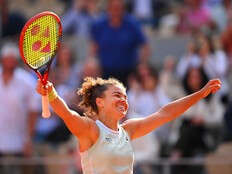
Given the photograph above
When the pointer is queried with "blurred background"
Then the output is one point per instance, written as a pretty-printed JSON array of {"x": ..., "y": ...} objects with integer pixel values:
[{"x": 160, "y": 49}]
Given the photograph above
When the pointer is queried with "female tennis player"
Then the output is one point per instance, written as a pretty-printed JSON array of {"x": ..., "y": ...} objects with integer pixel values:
[{"x": 104, "y": 144}]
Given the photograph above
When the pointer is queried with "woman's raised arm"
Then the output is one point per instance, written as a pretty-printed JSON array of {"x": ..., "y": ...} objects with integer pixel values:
[{"x": 141, "y": 126}]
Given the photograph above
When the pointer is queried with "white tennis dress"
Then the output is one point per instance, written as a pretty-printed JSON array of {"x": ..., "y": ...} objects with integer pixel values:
[{"x": 111, "y": 154}]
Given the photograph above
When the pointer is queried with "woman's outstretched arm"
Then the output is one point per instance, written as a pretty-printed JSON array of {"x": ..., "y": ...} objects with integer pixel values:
[
  {"x": 141, "y": 126},
  {"x": 77, "y": 124}
]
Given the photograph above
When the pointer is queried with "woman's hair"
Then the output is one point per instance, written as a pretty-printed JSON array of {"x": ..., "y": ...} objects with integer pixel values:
[
  {"x": 203, "y": 82},
  {"x": 93, "y": 88}
]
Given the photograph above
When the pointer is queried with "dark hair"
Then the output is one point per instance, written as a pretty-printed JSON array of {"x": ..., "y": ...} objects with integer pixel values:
[
  {"x": 93, "y": 88},
  {"x": 151, "y": 70},
  {"x": 204, "y": 80}
]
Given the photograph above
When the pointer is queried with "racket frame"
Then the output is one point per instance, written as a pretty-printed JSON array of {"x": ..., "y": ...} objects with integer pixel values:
[{"x": 42, "y": 75}]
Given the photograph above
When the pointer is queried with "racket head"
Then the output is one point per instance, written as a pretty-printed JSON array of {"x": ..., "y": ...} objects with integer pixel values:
[{"x": 39, "y": 42}]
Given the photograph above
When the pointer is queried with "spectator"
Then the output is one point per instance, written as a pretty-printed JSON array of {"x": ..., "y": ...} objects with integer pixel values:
[
  {"x": 168, "y": 80},
  {"x": 214, "y": 61},
  {"x": 12, "y": 22},
  {"x": 190, "y": 58},
  {"x": 228, "y": 8},
  {"x": 194, "y": 16},
  {"x": 116, "y": 42},
  {"x": 144, "y": 98},
  {"x": 19, "y": 108},
  {"x": 217, "y": 12},
  {"x": 143, "y": 10},
  {"x": 201, "y": 121},
  {"x": 207, "y": 59},
  {"x": 79, "y": 17},
  {"x": 226, "y": 41},
  {"x": 76, "y": 21},
  {"x": 222, "y": 64},
  {"x": 209, "y": 56},
  {"x": 90, "y": 69},
  {"x": 66, "y": 72},
  {"x": 228, "y": 123},
  {"x": 224, "y": 149}
]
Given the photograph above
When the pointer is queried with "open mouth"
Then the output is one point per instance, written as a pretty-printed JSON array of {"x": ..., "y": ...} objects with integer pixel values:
[{"x": 121, "y": 107}]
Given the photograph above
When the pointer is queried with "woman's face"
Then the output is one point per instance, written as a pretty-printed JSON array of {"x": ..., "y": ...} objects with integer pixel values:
[
  {"x": 191, "y": 47},
  {"x": 143, "y": 70},
  {"x": 204, "y": 50},
  {"x": 149, "y": 83},
  {"x": 194, "y": 79},
  {"x": 114, "y": 102},
  {"x": 64, "y": 55}
]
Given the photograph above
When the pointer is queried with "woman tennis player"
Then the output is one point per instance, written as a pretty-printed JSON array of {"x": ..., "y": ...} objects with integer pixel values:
[{"x": 105, "y": 145}]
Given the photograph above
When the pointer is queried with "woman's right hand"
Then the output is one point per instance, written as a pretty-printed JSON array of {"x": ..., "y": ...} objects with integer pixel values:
[{"x": 43, "y": 89}]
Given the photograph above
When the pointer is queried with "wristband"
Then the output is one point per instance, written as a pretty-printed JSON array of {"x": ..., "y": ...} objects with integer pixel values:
[{"x": 52, "y": 95}]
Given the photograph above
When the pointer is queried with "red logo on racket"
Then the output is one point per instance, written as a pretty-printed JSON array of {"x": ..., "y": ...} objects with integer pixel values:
[{"x": 37, "y": 45}]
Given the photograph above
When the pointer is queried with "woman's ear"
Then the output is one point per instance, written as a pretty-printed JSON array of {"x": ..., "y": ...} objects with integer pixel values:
[{"x": 99, "y": 102}]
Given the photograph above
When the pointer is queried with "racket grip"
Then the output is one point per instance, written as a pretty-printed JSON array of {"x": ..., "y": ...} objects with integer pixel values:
[{"x": 45, "y": 107}]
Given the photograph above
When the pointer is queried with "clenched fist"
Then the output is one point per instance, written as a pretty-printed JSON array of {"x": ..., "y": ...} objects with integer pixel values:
[
  {"x": 211, "y": 87},
  {"x": 43, "y": 89}
]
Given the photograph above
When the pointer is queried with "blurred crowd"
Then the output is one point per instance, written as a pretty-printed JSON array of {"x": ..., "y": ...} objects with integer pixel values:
[{"x": 113, "y": 38}]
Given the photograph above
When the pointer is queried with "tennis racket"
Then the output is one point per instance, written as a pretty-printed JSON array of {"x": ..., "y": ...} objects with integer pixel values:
[{"x": 38, "y": 44}]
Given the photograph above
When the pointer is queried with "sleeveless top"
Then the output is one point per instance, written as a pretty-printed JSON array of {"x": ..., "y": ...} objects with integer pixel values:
[{"x": 111, "y": 154}]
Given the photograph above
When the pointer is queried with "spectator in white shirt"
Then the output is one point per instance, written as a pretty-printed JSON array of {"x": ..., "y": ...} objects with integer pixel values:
[
  {"x": 18, "y": 109},
  {"x": 190, "y": 58},
  {"x": 144, "y": 98}
]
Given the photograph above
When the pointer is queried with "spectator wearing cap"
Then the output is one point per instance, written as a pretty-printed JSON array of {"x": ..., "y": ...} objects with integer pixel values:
[{"x": 18, "y": 109}]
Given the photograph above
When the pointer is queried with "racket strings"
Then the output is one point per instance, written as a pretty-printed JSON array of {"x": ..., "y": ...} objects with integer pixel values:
[{"x": 41, "y": 41}]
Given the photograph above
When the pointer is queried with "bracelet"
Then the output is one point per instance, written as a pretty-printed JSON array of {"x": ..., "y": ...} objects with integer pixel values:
[{"x": 52, "y": 95}]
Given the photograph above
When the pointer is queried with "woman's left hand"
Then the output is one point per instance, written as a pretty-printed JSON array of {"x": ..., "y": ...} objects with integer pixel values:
[{"x": 211, "y": 87}]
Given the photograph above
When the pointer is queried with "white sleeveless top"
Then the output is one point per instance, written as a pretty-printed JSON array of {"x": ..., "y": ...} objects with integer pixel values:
[{"x": 111, "y": 154}]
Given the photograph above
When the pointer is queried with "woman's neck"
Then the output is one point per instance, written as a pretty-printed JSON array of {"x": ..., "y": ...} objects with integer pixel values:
[{"x": 109, "y": 122}]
